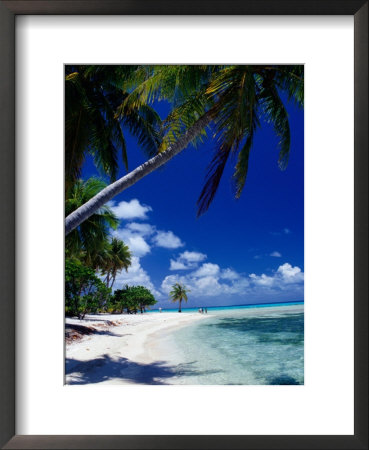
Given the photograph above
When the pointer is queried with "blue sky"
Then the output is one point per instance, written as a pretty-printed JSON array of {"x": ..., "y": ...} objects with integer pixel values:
[{"x": 244, "y": 251}]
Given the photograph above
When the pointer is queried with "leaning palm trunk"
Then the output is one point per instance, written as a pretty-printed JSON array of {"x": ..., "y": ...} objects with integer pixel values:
[
  {"x": 85, "y": 211},
  {"x": 112, "y": 282}
]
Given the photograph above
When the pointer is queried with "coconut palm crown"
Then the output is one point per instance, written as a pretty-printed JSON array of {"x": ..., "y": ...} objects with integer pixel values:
[
  {"x": 230, "y": 102},
  {"x": 92, "y": 127},
  {"x": 179, "y": 293},
  {"x": 90, "y": 238},
  {"x": 118, "y": 258}
]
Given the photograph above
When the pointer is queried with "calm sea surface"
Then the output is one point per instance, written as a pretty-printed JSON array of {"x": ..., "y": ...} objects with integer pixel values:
[{"x": 254, "y": 345}]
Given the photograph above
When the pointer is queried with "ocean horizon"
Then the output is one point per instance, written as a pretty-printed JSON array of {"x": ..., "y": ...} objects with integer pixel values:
[{"x": 227, "y": 307}]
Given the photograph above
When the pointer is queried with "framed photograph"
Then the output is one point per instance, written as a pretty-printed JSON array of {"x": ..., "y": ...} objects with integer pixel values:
[{"x": 185, "y": 228}]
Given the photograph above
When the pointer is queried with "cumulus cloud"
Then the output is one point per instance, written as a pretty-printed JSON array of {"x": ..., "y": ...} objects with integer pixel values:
[
  {"x": 207, "y": 280},
  {"x": 207, "y": 269},
  {"x": 290, "y": 274},
  {"x": 229, "y": 274},
  {"x": 285, "y": 275},
  {"x": 193, "y": 256},
  {"x": 262, "y": 280},
  {"x": 136, "y": 243},
  {"x": 136, "y": 276},
  {"x": 159, "y": 238},
  {"x": 145, "y": 229},
  {"x": 130, "y": 210},
  {"x": 276, "y": 254},
  {"x": 167, "y": 239},
  {"x": 211, "y": 280},
  {"x": 187, "y": 260},
  {"x": 177, "y": 265},
  {"x": 199, "y": 287}
]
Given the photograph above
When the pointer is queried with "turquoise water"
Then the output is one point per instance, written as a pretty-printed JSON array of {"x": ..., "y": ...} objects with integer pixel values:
[
  {"x": 227, "y": 308},
  {"x": 260, "y": 345}
]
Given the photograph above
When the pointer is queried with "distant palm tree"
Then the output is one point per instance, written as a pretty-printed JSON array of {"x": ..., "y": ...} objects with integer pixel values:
[
  {"x": 179, "y": 293},
  {"x": 118, "y": 257},
  {"x": 232, "y": 100},
  {"x": 88, "y": 241}
]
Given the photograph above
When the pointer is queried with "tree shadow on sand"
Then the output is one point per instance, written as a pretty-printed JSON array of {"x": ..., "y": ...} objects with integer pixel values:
[
  {"x": 86, "y": 330},
  {"x": 106, "y": 368}
]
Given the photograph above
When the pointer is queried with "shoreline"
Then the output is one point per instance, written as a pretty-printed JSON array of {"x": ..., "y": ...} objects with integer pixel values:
[
  {"x": 142, "y": 349},
  {"x": 122, "y": 349}
]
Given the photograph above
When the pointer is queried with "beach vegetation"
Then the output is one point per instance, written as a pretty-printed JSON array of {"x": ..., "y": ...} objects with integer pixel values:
[
  {"x": 178, "y": 293},
  {"x": 131, "y": 299},
  {"x": 84, "y": 291},
  {"x": 91, "y": 243},
  {"x": 88, "y": 241},
  {"x": 115, "y": 258}
]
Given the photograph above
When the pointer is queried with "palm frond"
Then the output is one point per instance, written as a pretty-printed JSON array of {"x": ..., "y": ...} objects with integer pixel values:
[
  {"x": 276, "y": 113},
  {"x": 234, "y": 91}
]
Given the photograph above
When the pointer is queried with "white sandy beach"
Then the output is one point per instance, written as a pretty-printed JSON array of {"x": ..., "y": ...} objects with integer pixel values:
[{"x": 123, "y": 349}]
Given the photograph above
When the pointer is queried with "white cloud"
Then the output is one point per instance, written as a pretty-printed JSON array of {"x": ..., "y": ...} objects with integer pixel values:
[
  {"x": 285, "y": 275},
  {"x": 136, "y": 276},
  {"x": 262, "y": 280},
  {"x": 145, "y": 229},
  {"x": 177, "y": 265},
  {"x": 286, "y": 231},
  {"x": 192, "y": 256},
  {"x": 138, "y": 245},
  {"x": 130, "y": 210},
  {"x": 276, "y": 254},
  {"x": 187, "y": 260},
  {"x": 229, "y": 274},
  {"x": 207, "y": 269},
  {"x": 290, "y": 274},
  {"x": 210, "y": 280},
  {"x": 167, "y": 239},
  {"x": 135, "y": 242}
]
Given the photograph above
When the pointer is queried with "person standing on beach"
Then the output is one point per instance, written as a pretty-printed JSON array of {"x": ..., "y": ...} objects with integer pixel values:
[{"x": 159, "y": 309}]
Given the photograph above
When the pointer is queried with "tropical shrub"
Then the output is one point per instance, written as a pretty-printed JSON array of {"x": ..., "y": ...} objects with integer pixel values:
[
  {"x": 132, "y": 299},
  {"x": 84, "y": 291}
]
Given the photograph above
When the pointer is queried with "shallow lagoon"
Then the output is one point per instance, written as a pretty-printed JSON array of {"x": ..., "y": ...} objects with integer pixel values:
[{"x": 253, "y": 346}]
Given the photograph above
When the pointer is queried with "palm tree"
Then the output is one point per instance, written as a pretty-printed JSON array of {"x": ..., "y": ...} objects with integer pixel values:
[
  {"x": 232, "y": 99},
  {"x": 88, "y": 241},
  {"x": 118, "y": 257},
  {"x": 179, "y": 293},
  {"x": 92, "y": 95}
]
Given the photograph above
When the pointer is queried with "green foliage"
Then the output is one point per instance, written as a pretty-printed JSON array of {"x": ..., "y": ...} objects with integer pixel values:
[
  {"x": 91, "y": 237},
  {"x": 242, "y": 96},
  {"x": 131, "y": 299},
  {"x": 102, "y": 100},
  {"x": 237, "y": 97},
  {"x": 92, "y": 125},
  {"x": 117, "y": 258},
  {"x": 179, "y": 293},
  {"x": 84, "y": 291}
]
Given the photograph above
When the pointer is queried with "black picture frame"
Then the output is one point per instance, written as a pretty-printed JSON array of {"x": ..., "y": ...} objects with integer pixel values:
[{"x": 8, "y": 11}]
